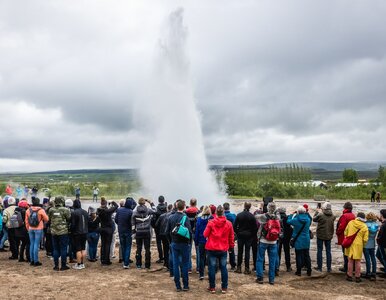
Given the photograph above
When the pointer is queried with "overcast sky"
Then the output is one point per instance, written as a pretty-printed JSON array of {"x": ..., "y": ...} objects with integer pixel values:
[{"x": 273, "y": 80}]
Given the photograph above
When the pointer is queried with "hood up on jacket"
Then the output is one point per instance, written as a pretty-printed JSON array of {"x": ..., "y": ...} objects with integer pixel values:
[
  {"x": 327, "y": 211},
  {"x": 130, "y": 203},
  {"x": 77, "y": 204},
  {"x": 59, "y": 201},
  {"x": 142, "y": 209}
]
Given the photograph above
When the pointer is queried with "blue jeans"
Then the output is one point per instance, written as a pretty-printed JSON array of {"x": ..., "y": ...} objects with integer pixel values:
[
  {"x": 213, "y": 258},
  {"x": 371, "y": 262},
  {"x": 190, "y": 257},
  {"x": 92, "y": 240},
  {"x": 60, "y": 244},
  {"x": 180, "y": 260},
  {"x": 319, "y": 254},
  {"x": 202, "y": 260},
  {"x": 34, "y": 236},
  {"x": 5, "y": 237},
  {"x": 272, "y": 256},
  {"x": 125, "y": 241}
]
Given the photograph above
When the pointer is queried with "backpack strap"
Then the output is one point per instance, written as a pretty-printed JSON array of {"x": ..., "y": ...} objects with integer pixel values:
[{"x": 182, "y": 222}]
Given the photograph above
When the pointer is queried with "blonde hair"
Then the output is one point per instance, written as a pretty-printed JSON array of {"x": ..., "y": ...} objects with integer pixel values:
[
  {"x": 371, "y": 217},
  {"x": 206, "y": 211}
]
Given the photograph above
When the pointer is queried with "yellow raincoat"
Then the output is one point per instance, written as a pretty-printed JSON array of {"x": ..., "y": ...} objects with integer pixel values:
[{"x": 355, "y": 251}]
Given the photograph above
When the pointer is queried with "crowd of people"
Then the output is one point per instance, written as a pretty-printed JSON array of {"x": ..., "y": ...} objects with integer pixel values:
[{"x": 70, "y": 234}]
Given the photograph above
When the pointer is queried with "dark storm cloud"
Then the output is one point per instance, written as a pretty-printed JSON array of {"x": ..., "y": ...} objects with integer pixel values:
[{"x": 273, "y": 81}]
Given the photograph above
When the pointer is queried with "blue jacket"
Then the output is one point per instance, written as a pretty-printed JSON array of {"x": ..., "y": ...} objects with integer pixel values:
[
  {"x": 200, "y": 227},
  {"x": 297, "y": 221},
  {"x": 373, "y": 229},
  {"x": 230, "y": 216},
  {"x": 123, "y": 217}
]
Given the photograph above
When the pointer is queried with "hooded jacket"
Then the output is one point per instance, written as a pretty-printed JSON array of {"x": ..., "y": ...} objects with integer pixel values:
[
  {"x": 297, "y": 221},
  {"x": 372, "y": 226},
  {"x": 21, "y": 232},
  {"x": 123, "y": 216},
  {"x": 325, "y": 227},
  {"x": 344, "y": 219},
  {"x": 141, "y": 219},
  {"x": 79, "y": 219},
  {"x": 355, "y": 251},
  {"x": 201, "y": 224},
  {"x": 59, "y": 217},
  {"x": 160, "y": 210},
  {"x": 219, "y": 234}
]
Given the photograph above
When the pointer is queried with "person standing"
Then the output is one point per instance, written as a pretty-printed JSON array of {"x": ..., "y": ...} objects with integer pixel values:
[
  {"x": 369, "y": 248},
  {"x": 220, "y": 238},
  {"x": 59, "y": 218},
  {"x": 21, "y": 233},
  {"x": 93, "y": 234},
  {"x": 381, "y": 239},
  {"x": 192, "y": 212},
  {"x": 160, "y": 209},
  {"x": 284, "y": 239},
  {"x": 11, "y": 226},
  {"x": 245, "y": 228},
  {"x": 106, "y": 229},
  {"x": 77, "y": 193},
  {"x": 373, "y": 196},
  {"x": 35, "y": 218},
  {"x": 200, "y": 239},
  {"x": 180, "y": 246},
  {"x": 161, "y": 224},
  {"x": 79, "y": 230},
  {"x": 268, "y": 234},
  {"x": 123, "y": 220},
  {"x": 344, "y": 219},
  {"x": 231, "y": 217},
  {"x": 355, "y": 251},
  {"x": 141, "y": 220},
  {"x": 95, "y": 193},
  {"x": 324, "y": 234},
  {"x": 301, "y": 225}
]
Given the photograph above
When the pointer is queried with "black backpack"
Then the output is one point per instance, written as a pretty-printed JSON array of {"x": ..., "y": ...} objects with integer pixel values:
[{"x": 33, "y": 218}]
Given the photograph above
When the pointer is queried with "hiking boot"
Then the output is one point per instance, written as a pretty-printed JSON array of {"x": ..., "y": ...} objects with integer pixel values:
[
  {"x": 348, "y": 278},
  {"x": 37, "y": 264},
  {"x": 358, "y": 279},
  {"x": 160, "y": 261},
  {"x": 211, "y": 290},
  {"x": 238, "y": 270},
  {"x": 247, "y": 271},
  {"x": 64, "y": 268},
  {"x": 318, "y": 269},
  {"x": 259, "y": 280},
  {"x": 56, "y": 268}
]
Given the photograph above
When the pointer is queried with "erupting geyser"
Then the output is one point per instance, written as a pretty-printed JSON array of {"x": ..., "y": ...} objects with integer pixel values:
[{"x": 174, "y": 163}]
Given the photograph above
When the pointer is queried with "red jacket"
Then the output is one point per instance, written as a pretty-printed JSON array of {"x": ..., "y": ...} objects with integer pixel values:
[
  {"x": 219, "y": 234},
  {"x": 342, "y": 223}
]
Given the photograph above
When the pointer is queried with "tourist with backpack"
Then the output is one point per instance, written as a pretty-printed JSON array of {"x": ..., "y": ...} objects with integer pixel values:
[
  {"x": 12, "y": 221},
  {"x": 141, "y": 220},
  {"x": 301, "y": 223},
  {"x": 357, "y": 234},
  {"x": 220, "y": 238},
  {"x": 34, "y": 219},
  {"x": 268, "y": 234},
  {"x": 180, "y": 235},
  {"x": 245, "y": 228},
  {"x": 59, "y": 218},
  {"x": 21, "y": 233}
]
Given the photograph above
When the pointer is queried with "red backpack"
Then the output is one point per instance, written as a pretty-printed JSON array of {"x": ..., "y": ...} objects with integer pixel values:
[{"x": 272, "y": 229}]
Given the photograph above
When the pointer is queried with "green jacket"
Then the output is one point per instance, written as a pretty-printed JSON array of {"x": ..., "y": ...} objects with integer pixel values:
[
  {"x": 325, "y": 227},
  {"x": 59, "y": 217}
]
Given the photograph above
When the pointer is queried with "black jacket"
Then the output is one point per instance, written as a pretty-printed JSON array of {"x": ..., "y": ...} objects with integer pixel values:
[
  {"x": 79, "y": 221},
  {"x": 175, "y": 219},
  {"x": 105, "y": 214},
  {"x": 93, "y": 225},
  {"x": 21, "y": 232},
  {"x": 286, "y": 228},
  {"x": 381, "y": 239},
  {"x": 160, "y": 210},
  {"x": 245, "y": 225}
]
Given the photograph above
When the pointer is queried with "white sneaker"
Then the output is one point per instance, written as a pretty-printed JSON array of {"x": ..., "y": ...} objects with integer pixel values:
[
  {"x": 126, "y": 267},
  {"x": 82, "y": 266},
  {"x": 77, "y": 267}
]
